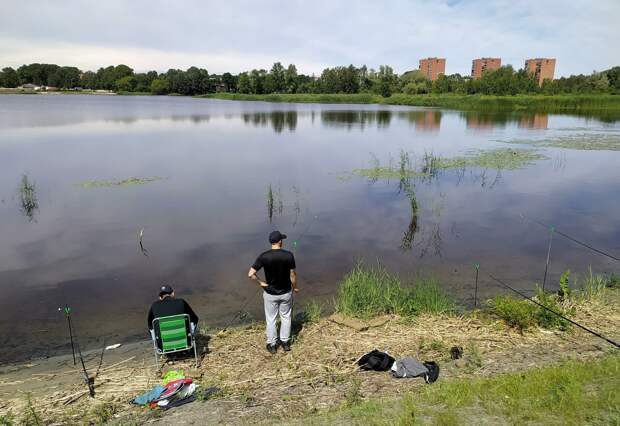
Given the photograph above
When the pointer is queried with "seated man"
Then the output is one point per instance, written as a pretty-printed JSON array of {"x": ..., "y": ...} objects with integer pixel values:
[{"x": 168, "y": 305}]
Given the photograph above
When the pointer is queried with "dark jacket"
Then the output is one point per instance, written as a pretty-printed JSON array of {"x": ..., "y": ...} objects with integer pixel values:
[{"x": 170, "y": 306}]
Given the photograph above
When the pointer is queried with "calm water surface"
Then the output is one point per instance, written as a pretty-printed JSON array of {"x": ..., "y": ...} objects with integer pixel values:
[{"x": 209, "y": 216}]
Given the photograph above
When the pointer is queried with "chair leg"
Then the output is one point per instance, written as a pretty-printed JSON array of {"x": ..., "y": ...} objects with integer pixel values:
[{"x": 156, "y": 357}]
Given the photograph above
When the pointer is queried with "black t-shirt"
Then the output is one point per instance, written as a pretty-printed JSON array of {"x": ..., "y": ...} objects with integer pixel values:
[
  {"x": 168, "y": 307},
  {"x": 278, "y": 264}
]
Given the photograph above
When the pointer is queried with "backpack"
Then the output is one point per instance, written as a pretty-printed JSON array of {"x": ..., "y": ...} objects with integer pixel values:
[{"x": 376, "y": 361}]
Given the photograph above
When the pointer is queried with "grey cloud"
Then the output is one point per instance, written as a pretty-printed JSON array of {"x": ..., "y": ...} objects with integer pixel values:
[{"x": 316, "y": 34}]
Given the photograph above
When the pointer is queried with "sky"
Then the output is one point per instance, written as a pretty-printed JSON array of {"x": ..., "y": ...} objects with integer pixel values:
[{"x": 234, "y": 36}]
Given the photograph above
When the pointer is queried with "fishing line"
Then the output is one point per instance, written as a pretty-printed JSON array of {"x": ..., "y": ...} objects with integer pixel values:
[
  {"x": 556, "y": 313},
  {"x": 303, "y": 234},
  {"x": 571, "y": 238}
]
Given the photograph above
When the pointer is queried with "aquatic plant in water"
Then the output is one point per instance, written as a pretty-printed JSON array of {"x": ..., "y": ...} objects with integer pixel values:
[
  {"x": 28, "y": 197},
  {"x": 498, "y": 159},
  {"x": 582, "y": 142},
  {"x": 118, "y": 182}
]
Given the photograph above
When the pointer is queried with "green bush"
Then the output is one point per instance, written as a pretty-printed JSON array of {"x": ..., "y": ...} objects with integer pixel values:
[
  {"x": 523, "y": 314},
  {"x": 369, "y": 291},
  {"x": 519, "y": 314}
]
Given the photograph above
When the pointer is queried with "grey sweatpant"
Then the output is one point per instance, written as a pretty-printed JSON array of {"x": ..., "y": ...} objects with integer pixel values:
[{"x": 278, "y": 304}]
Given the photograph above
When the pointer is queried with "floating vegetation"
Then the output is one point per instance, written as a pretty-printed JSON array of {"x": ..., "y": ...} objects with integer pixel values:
[
  {"x": 582, "y": 141},
  {"x": 499, "y": 159},
  {"x": 28, "y": 197},
  {"x": 118, "y": 183},
  {"x": 270, "y": 203}
]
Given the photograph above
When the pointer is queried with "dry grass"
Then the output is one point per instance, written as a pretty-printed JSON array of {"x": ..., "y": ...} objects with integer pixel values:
[{"x": 320, "y": 371}]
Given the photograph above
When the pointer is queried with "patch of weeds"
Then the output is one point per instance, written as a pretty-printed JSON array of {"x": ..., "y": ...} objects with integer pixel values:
[
  {"x": 497, "y": 159},
  {"x": 613, "y": 281},
  {"x": 582, "y": 142},
  {"x": 30, "y": 416},
  {"x": 103, "y": 412},
  {"x": 7, "y": 419},
  {"x": 564, "y": 284},
  {"x": 368, "y": 291},
  {"x": 312, "y": 312},
  {"x": 353, "y": 396},
  {"x": 547, "y": 319},
  {"x": 246, "y": 398},
  {"x": 594, "y": 285},
  {"x": 118, "y": 182},
  {"x": 515, "y": 313},
  {"x": 473, "y": 358}
]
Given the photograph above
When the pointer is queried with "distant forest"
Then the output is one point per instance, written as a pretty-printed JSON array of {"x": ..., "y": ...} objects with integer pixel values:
[{"x": 279, "y": 79}]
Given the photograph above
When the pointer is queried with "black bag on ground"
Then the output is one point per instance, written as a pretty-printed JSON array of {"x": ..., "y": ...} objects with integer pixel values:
[
  {"x": 375, "y": 360},
  {"x": 433, "y": 371}
]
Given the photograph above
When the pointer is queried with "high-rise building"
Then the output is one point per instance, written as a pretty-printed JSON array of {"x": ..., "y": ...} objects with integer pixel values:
[
  {"x": 541, "y": 68},
  {"x": 432, "y": 67},
  {"x": 480, "y": 65}
]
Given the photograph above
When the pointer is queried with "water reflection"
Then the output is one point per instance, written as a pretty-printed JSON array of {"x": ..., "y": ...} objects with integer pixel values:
[
  {"x": 279, "y": 120},
  {"x": 487, "y": 121},
  {"x": 361, "y": 119},
  {"x": 423, "y": 120},
  {"x": 534, "y": 121}
]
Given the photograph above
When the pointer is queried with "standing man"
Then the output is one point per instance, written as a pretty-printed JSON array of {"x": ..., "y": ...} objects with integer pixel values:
[{"x": 281, "y": 280}]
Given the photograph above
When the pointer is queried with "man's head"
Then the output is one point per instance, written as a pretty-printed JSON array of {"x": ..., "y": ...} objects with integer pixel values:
[
  {"x": 165, "y": 291},
  {"x": 275, "y": 238}
]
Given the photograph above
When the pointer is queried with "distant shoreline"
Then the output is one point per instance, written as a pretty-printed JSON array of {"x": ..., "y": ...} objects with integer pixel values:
[
  {"x": 603, "y": 103},
  {"x": 540, "y": 103}
]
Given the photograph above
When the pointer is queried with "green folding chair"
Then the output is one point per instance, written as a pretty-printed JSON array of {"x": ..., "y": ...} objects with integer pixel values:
[{"x": 175, "y": 335}]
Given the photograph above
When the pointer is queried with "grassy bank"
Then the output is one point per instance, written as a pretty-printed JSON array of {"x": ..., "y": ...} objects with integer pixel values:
[
  {"x": 317, "y": 382},
  {"x": 571, "y": 392},
  {"x": 558, "y": 103}
]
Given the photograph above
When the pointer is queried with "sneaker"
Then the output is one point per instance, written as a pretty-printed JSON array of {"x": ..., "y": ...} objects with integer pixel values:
[
  {"x": 272, "y": 348},
  {"x": 286, "y": 346}
]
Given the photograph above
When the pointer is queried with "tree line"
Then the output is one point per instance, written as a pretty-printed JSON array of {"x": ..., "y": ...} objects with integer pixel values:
[{"x": 280, "y": 79}]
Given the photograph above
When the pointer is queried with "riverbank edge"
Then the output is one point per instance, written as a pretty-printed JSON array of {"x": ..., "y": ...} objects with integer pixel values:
[
  {"x": 353, "y": 390},
  {"x": 538, "y": 103}
]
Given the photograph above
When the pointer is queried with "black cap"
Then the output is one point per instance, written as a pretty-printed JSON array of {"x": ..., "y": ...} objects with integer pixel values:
[
  {"x": 276, "y": 237},
  {"x": 165, "y": 289}
]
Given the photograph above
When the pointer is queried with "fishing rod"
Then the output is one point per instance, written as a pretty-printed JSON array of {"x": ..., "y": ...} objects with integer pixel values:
[
  {"x": 617, "y": 345},
  {"x": 588, "y": 246},
  {"x": 67, "y": 312}
]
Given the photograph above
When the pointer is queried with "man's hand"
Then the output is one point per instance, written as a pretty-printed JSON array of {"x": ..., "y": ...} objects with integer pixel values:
[
  {"x": 296, "y": 289},
  {"x": 263, "y": 284}
]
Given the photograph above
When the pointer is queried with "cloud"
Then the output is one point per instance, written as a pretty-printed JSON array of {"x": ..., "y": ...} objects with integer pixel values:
[{"x": 237, "y": 35}]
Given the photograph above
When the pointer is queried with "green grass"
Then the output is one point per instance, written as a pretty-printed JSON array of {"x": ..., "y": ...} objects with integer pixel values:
[
  {"x": 368, "y": 291},
  {"x": 498, "y": 159},
  {"x": 556, "y": 103},
  {"x": 582, "y": 142},
  {"x": 569, "y": 393},
  {"x": 118, "y": 182}
]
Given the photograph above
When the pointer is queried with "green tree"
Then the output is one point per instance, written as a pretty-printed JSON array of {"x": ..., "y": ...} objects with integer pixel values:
[
  {"x": 9, "y": 77},
  {"x": 243, "y": 83},
  {"x": 126, "y": 84},
  {"x": 290, "y": 79},
  {"x": 160, "y": 86},
  {"x": 230, "y": 82},
  {"x": 278, "y": 78}
]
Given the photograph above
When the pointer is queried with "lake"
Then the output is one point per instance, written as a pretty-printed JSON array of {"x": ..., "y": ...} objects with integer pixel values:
[{"x": 220, "y": 175}]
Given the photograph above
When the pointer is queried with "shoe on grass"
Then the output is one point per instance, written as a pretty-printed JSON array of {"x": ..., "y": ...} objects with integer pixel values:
[
  {"x": 286, "y": 346},
  {"x": 272, "y": 348}
]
